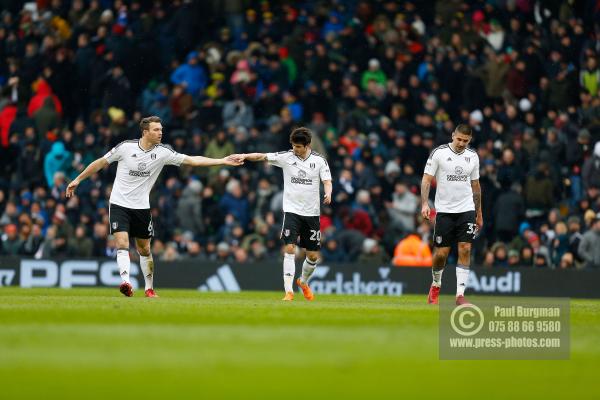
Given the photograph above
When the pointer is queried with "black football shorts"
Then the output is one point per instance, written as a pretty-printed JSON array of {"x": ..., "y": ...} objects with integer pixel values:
[
  {"x": 453, "y": 228},
  {"x": 307, "y": 228},
  {"x": 138, "y": 223}
]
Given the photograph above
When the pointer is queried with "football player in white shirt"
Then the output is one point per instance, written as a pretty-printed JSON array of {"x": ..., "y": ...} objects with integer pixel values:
[
  {"x": 458, "y": 207},
  {"x": 139, "y": 164},
  {"x": 303, "y": 171}
]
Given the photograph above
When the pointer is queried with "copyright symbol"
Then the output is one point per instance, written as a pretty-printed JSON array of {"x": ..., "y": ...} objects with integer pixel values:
[{"x": 467, "y": 319}]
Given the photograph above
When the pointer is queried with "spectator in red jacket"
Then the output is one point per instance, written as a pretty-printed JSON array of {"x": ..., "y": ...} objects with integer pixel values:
[
  {"x": 7, "y": 116},
  {"x": 42, "y": 91}
]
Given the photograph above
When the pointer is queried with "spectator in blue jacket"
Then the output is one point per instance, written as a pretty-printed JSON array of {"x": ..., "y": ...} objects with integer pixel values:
[
  {"x": 57, "y": 159},
  {"x": 191, "y": 75},
  {"x": 233, "y": 202}
]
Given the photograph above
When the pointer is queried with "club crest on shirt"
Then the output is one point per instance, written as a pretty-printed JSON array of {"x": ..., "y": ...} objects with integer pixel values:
[
  {"x": 313, "y": 165},
  {"x": 468, "y": 159},
  {"x": 141, "y": 166},
  {"x": 438, "y": 239},
  {"x": 153, "y": 156},
  {"x": 286, "y": 232},
  {"x": 115, "y": 225}
]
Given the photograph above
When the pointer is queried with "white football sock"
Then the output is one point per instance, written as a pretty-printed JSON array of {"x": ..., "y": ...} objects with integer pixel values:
[
  {"x": 147, "y": 266},
  {"x": 308, "y": 267},
  {"x": 462, "y": 276},
  {"x": 289, "y": 270},
  {"x": 124, "y": 264},
  {"x": 437, "y": 276}
]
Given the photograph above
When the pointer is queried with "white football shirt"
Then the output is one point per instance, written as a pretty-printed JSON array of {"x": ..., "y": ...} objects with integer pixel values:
[
  {"x": 453, "y": 172},
  {"x": 301, "y": 181},
  {"x": 137, "y": 170}
]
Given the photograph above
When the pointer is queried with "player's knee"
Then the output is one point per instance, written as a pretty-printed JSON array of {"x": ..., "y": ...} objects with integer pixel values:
[
  {"x": 464, "y": 248},
  {"x": 312, "y": 257},
  {"x": 143, "y": 250},
  {"x": 441, "y": 253},
  {"x": 290, "y": 248}
]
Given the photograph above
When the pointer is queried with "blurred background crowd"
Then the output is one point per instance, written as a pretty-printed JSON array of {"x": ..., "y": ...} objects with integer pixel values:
[{"x": 379, "y": 82}]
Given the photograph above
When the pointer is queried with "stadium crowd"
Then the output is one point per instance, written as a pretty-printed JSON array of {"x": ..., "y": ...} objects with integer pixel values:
[{"x": 380, "y": 83}]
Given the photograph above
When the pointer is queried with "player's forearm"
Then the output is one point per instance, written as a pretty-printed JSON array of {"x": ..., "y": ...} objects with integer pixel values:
[
  {"x": 477, "y": 199},
  {"x": 425, "y": 186},
  {"x": 255, "y": 156},
  {"x": 200, "y": 161},
  {"x": 91, "y": 169},
  {"x": 328, "y": 188}
]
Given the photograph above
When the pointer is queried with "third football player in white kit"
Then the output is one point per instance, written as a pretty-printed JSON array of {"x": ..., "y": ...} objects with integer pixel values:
[
  {"x": 303, "y": 171},
  {"x": 458, "y": 207}
]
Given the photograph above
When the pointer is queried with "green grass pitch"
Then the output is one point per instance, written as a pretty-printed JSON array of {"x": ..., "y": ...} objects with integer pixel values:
[{"x": 97, "y": 344}]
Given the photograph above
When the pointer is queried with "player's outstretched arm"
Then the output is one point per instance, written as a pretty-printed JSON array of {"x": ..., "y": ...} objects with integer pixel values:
[
  {"x": 198, "y": 161},
  {"x": 328, "y": 188},
  {"x": 425, "y": 186},
  {"x": 253, "y": 156},
  {"x": 90, "y": 170}
]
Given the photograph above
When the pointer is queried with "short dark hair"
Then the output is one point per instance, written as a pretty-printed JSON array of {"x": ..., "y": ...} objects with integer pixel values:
[
  {"x": 464, "y": 129},
  {"x": 301, "y": 136},
  {"x": 145, "y": 123}
]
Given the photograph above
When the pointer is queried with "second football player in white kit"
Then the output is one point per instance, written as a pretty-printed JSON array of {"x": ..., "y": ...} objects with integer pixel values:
[{"x": 303, "y": 172}]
